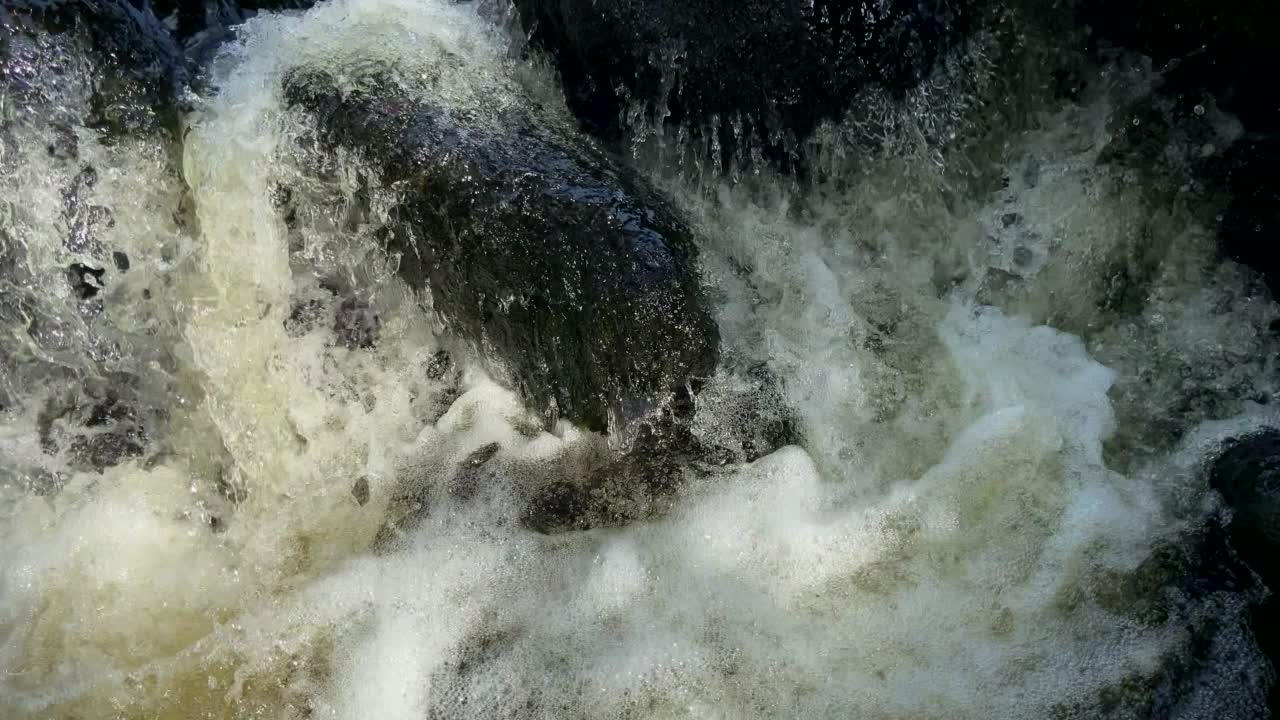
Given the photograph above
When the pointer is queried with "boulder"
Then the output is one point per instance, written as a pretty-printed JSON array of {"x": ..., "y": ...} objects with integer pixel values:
[
  {"x": 565, "y": 270},
  {"x": 775, "y": 68},
  {"x": 1194, "y": 581},
  {"x": 1250, "y": 223},
  {"x": 190, "y": 18},
  {"x": 1201, "y": 47},
  {"x": 1247, "y": 473},
  {"x": 1209, "y": 56}
]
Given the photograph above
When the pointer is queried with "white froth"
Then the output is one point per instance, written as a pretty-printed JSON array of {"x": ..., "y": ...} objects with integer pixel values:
[{"x": 942, "y": 546}]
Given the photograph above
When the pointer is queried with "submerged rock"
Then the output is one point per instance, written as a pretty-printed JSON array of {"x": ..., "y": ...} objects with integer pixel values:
[
  {"x": 85, "y": 281},
  {"x": 1248, "y": 476},
  {"x": 137, "y": 66},
  {"x": 360, "y": 491},
  {"x": 356, "y": 324},
  {"x": 417, "y": 496},
  {"x": 1247, "y": 473},
  {"x": 1218, "y": 669},
  {"x": 97, "y": 427},
  {"x": 1203, "y": 48},
  {"x": 745, "y": 419},
  {"x": 564, "y": 269},
  {"x": 1250, "y": 223},
  {"x": 1208, "y": 57}
]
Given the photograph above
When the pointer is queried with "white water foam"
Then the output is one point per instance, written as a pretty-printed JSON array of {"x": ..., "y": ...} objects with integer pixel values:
[{"x": 950, "y": 542}]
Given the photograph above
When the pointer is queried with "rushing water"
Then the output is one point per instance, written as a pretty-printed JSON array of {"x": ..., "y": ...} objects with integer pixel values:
[{"x": 1006, "y": 392}]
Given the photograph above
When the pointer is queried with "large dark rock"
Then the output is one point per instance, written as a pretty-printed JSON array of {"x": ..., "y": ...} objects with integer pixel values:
[
  {"x": 1248, "y": 476},
  {"x": 552, "y": 260},
  {"x": 1203, "y": 47},
  {"x": 1197, "y": 583},
  {"x": 1211, "y": 55},
  {"x": 776, "y": 67},
  {"x": 192, "y": 17},
  {"x": 1250, "y": 223},
  {"x": 1247, "y": 473},
  {"x": 136, "y": 67}
]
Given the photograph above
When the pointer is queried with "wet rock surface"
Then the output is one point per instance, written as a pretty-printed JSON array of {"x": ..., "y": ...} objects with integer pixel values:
[
  {"x": 1208, "y": 57},
  {"x": 1251, "y": 220},
  {"x": 83, "y": 79},
  {"x": 564, "y": 267},
  {"x": 1204, "y": 48},
  {"x": 97, "y": 426},
  {"x": 1247, "y": 473},
  {"x": 356, "y": 324},
  {"x": 138, "y": 66},
  {"x": 1248, "y": 476},
  {"x": 769, "y": 69}
]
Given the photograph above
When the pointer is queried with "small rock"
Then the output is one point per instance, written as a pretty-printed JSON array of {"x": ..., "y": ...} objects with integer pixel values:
[
  {"x": 65, "y": 145},
  {"x": 121, "y": 261},
  {"x": 102, "y": 450},
  {"x": 360, "y": 491},
  {"x": 304, "y": 317},
  {"x": 1022, "y": 256},
  {"x": 85, "y": 281},
  {"x": 439, "y": 365},
  {"x": 1248, "y": 476},
  {"x": 997, "y": 284},
  {"x": 466, "y": 481},
  {"x": 356, "y": 324}
]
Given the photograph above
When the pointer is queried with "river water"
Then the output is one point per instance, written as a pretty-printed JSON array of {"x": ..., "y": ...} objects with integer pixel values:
[{"x": 1006, "y": 391}]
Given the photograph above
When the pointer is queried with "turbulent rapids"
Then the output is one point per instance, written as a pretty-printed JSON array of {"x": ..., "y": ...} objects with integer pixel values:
[{"x": 419, "y": 359}]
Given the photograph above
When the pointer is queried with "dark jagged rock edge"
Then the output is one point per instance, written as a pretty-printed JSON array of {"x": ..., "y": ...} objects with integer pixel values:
[
  {"x": 1247, "y": 473},
  {"x": 544, "y": 254},
  {"x": 762, "y": 74},
  {"x": 1206, "y": 53},
  {"x": 139, "y": 67},
  {"x": 776, "y": 68},
  {"x": 561, "y": 268},
  {"x": 96, "y": 417}
]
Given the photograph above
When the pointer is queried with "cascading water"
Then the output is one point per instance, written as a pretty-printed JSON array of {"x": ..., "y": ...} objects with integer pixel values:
[{"x": 1000, "y": 464}]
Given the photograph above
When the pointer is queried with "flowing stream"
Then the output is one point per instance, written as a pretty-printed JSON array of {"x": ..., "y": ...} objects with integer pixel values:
[{"x": 1005, "y": 392}]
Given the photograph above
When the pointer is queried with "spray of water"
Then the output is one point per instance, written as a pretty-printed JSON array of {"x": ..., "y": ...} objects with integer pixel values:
[{"x": 1005, "y": 397}]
